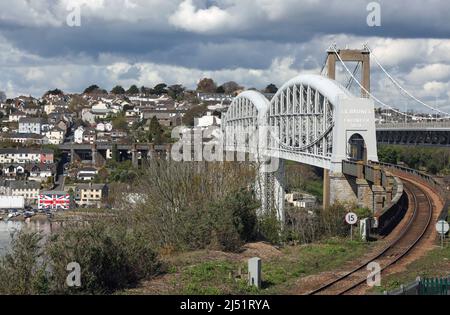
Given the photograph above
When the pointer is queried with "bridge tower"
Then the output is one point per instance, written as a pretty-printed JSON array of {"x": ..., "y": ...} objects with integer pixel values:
[{"x": 352, "y": 55}]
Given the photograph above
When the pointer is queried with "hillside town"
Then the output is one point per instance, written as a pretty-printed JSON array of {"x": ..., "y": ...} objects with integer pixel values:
[{"x": 63, "y": 151}]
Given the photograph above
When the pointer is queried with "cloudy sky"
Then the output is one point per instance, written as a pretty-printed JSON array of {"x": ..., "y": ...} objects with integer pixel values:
[{"x": 253, "y": 42}]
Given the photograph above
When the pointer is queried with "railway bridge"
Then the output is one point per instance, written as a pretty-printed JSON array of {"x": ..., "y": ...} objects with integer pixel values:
[
  {"x": 99, "y": 152},
  {"x": 314, "y": 120},
  {"x": 425, "y": 133}
]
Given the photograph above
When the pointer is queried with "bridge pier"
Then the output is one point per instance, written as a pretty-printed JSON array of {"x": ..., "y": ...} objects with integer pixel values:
[
  {"x": 134, "y": 156},
  {"x": 74, "y": 156},
  {"x": 271, "y": 190},
  {"x": 342, "y": 189},
  {"x": 326, "y": 189},
  {"x": 379, "y": 197},
  {"x": 365, "y": 194},
  {"x": 279, "y": 191},
  {"x": 97, "y": 158}
]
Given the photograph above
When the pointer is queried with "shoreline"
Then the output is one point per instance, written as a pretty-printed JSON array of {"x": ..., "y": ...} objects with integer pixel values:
[{"x": 21, "y": 218}]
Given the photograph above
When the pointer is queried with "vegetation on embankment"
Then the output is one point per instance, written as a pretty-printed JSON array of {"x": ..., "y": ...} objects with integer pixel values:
[
  {"x": 302, "y": 177},
  {"x": 435, "y": 263},
  {"x": 431, "y": 159},
  {"x": 211, "y": 272},
  {"x": 176, "y": 208}
]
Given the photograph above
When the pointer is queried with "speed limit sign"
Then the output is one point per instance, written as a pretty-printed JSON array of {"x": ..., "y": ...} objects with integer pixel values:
[{"x": 351, "y": 218}]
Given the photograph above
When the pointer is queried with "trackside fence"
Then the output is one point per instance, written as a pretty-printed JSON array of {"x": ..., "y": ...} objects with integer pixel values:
[{"x": 424, "y": 286}]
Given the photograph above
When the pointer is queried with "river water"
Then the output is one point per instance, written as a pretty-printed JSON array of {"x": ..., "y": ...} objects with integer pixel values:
[{"x": 8, "y": 227}]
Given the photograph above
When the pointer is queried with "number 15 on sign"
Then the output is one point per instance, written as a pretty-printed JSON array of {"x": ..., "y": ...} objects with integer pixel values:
[{"x": 351, "y": 218}]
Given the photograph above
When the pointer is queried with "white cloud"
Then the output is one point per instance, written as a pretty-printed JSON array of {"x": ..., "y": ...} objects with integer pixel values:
[
  {"x": 435, "y": 88},
  {"x": 208, "y": 20},
  {"x": 429, "y": 72}
]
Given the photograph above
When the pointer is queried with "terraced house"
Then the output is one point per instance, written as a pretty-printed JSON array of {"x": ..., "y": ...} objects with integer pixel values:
[
  {"x": 30, "y": 125},
  {"x": 26, "y": 155}
]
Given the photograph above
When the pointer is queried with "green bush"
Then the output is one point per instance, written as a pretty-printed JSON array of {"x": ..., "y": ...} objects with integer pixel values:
[
  {"x": 269, "y": 228},
  {"x": 22, "y": 270},
  {"x": 190, "y": 206},
  {"x": 111, "y": 257}
]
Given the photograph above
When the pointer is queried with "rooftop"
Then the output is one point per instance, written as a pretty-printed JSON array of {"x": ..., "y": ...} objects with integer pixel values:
[
  {"x": 24, "y": 150},
  {"x": 29, "y": 120}
]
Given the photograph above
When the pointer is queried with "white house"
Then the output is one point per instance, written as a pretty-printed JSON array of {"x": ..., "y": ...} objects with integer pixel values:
[
  {"x": 55, "y": 135},
  {"x": 41, "y": 171},
  {"x": 87, "y": 116},
  {"x": 15, "y": 117},
  {"x": 30, "y": 125},
  {"x": 100, "y": 127},
  {"x": 87, "y": 173},
  {"x": 13, "y": 170},
  {"x": 207, "y": 121},
  {"x": 27, "y": 189},
  {"x": 78, "y": 135}
]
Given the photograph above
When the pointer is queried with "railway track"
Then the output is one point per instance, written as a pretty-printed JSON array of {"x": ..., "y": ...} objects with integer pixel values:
[{"x": 414, "y": 231}]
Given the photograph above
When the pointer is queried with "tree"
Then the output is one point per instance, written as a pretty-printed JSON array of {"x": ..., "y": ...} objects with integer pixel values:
[
  {"x": 230, "y": 87},
  {"x": 176, "y": 91},
  {"x": 220, "y": 90},
  {"x": 271, "y": 88},
  {"x": 54, "y": 92},
  {"x": 206, "y": 85},
  {"x": 120, "y": 122},
  {"x": 156, "y": 131},
  {"x": 133, "y": 90},
  {"x": 118, "y": 90},
  {"x": 115, "y": 153},
  {"x": 160, "y": 89},
  {"x": 91, "y": 89},
  {"x": 146, "y": 90},
  {"x": 2, "y": 96},
  {"x": 76, "y": 103},
  {"x": 194, "y": 112}
]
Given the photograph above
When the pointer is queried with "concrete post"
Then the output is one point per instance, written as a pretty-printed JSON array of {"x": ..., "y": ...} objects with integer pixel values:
[
  {"x": 364, "y": 228},
  {"x": 254, "y": 272}
]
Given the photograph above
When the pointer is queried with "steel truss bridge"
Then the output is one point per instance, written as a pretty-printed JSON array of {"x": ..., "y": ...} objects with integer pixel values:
[
  {"x": 415, "y": 133},
  {"x": 311, "y": 120}
]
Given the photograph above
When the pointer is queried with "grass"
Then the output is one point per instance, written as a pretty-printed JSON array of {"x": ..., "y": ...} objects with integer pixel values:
[
  {"x": 436, "y": 263},
  {"x": 280, "y": 274},
  {"x": 315, "y": 187},
  {"x": 199, "y": 273}
]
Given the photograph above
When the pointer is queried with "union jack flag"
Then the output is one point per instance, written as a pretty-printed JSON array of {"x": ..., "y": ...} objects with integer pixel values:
[{"x": 54, "y": 201}]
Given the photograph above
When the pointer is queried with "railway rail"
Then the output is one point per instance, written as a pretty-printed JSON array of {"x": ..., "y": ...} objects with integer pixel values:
[{"x": 418, "y": 223}]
